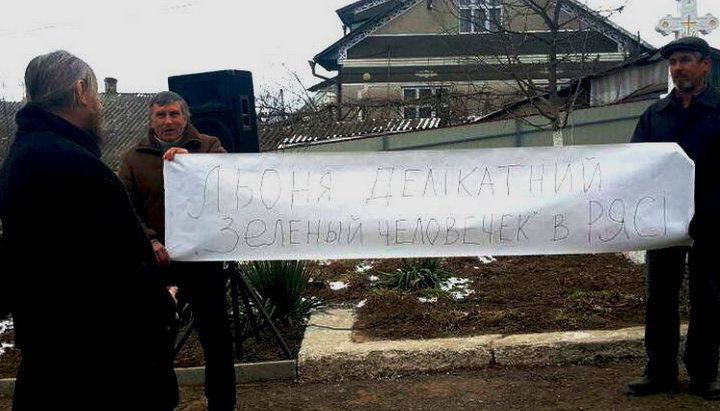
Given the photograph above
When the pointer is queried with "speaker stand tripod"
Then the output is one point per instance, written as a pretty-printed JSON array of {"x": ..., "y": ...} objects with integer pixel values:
[{"x": 240, "y": 288}]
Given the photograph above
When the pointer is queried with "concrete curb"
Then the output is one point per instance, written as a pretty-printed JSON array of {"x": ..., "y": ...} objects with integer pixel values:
[
  {"x": 329, "y": 353},
  {"x": 247, "y": 372},
  {"x": 7, "y": 386}
]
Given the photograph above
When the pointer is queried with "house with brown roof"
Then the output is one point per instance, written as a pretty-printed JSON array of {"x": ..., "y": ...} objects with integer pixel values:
[
  {"x": 125, "y": 120},
  {"x": 471, "y": 53}
]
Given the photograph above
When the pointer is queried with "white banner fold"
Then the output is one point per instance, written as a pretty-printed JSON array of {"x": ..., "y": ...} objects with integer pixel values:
[{"x": 504, "y": 201}]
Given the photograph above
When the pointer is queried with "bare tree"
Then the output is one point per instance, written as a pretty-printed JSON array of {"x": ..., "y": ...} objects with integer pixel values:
[{"x": 558, "y": 30}]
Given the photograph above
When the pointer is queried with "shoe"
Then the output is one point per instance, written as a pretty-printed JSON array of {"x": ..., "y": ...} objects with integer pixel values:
[
  {"x": 645, "y": 386},
  {"x": 710, "y": 390}
]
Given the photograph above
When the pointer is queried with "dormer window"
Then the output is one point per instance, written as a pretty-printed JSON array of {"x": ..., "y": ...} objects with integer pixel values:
[{"x": 480, "y": 16}]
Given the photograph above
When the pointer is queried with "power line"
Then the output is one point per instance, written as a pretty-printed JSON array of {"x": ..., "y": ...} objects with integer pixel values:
[{"x": 127, "y": 16}]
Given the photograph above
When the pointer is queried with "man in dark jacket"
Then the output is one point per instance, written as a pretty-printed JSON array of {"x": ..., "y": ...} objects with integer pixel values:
[
  {"x": 201, "y": 284},
  {"x": 689, "y": 116},
  {"x": 91, "y": 317}
]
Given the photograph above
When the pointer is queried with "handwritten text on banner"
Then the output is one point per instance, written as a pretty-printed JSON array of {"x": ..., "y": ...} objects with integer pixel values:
[{"x": 546, "y": 200}]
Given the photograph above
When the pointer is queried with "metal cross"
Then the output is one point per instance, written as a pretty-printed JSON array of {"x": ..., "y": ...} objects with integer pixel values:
[{"x": 689, "y": 23}]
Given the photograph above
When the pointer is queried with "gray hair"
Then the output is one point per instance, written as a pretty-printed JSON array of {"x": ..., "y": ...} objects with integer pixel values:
[
  {"x": 50, "y": 80},
  {"x": 165, "y": 98}
]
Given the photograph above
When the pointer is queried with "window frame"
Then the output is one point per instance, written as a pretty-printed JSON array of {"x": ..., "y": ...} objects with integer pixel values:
[
  {"x": 418, "y": 108},
  {"x": 479, "y": 8}
]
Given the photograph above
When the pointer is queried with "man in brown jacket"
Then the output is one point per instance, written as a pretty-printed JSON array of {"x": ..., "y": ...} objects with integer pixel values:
[{"x": 201, "y": 284}]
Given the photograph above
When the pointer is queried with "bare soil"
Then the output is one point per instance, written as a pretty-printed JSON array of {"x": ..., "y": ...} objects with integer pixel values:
[
  {"x": 599, "y": 386},
  {"x": 514, "y": 294},
  {"x": 511, "y": 295}
]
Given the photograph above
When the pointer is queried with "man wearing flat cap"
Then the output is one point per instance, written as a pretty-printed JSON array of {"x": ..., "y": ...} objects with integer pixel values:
[{"x": 689, "y": 116}]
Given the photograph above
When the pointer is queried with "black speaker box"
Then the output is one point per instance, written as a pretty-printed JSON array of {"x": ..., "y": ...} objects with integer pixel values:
[{"x": 222, "y": 104}]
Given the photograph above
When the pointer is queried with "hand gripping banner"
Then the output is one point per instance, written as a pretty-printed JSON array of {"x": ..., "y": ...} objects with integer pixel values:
[{"x": 522, "y": 201}]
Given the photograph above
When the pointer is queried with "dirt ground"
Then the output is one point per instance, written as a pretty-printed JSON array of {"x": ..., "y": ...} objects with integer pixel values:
[
  {"x": 599, "y": 386},
  {"x": 575, "y": 387},
  {"x": 512, "y": 294}
]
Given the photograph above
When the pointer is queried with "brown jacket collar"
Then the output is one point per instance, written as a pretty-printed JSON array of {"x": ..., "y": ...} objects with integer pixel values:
[{"x": 189, "y": 139}]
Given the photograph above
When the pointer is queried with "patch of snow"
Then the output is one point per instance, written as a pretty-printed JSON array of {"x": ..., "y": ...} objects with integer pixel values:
[
  {"x": 324, "y": 262},
  {"x": 362, "y": 303},
  {"x": 337, "y": 285},
  {"x": 4, "y": 346},
  {"x": 637, "y": 257},
  {"x": 364, "y": 266},
  {"x": 454, "y": 281},
  {"x": 374, "y": 278},
  {"x": 486, "y": 259},
  {"x": 461, "y": 295},
  {"x": 5, "y": 325},
  {"x": 427, "y": 300},
  {"x": 459, "y": 288}
]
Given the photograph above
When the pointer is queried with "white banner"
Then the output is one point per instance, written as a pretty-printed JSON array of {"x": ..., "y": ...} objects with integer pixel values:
[{"x": 544, "y": 200}]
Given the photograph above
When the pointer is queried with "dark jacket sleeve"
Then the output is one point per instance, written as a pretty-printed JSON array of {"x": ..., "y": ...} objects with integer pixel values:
[{"x": 127, "y": 177}]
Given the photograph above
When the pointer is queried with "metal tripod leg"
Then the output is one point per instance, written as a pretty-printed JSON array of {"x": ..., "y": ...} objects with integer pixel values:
[
  {"x": 247, "y": 289},
  {"x": 190, "y": 327},
  {"x": 186, "y": 335},
  {"x": 240, "y": 288},
  {"x": 237, "y": 292}
]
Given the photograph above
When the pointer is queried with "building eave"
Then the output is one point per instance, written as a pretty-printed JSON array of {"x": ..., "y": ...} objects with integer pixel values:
[
  {"x": 331, "y": 58},
  {"x": 616, "y": 32}
]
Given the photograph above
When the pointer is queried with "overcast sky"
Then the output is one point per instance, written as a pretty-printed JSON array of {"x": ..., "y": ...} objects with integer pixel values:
[{"x": 142, "y": 42}]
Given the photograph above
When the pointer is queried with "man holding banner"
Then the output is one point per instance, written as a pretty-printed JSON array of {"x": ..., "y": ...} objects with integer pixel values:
[
  {"x": 201, "y": 284},
  {"x": 689, "y": 116}
]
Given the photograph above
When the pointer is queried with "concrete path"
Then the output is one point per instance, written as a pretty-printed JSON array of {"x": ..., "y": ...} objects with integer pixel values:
[{"x": 329, "y": 353}]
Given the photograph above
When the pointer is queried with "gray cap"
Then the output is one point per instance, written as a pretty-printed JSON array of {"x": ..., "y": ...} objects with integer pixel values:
[{"x": 685, "y": 44}]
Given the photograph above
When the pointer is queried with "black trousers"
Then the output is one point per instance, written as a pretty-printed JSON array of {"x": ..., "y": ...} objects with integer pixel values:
[
  {"x": 203, "y": 285},
  {"x": 665, "y": 273}
]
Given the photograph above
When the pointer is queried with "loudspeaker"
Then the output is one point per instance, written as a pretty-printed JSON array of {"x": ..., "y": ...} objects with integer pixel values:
[{"x": 222, "y": 104}]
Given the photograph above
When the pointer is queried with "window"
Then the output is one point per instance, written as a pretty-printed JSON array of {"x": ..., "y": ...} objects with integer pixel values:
[
  {"x": 424, "y": 99},
  {"x": 478, "y": 16}
]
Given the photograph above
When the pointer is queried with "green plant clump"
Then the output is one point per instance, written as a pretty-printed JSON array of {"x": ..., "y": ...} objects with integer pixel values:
[
  {"x": 416, "y": 274},
  {"x": 281, "y": 284}
]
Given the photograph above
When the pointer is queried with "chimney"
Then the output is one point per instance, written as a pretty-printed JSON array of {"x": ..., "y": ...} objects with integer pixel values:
[{"x": 110, "y": 85}]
